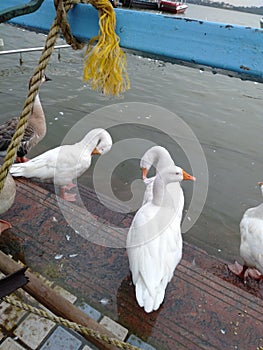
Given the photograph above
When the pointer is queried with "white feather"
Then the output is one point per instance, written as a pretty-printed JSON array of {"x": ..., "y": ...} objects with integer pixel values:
[
  {"x": 154, "y": 242},
  {"x": 251, "y": 230},
  {"x": 65, "y": 163}
]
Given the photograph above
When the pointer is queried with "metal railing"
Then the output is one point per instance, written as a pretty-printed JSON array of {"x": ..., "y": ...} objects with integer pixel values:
[{"x": 30, "y": 49}]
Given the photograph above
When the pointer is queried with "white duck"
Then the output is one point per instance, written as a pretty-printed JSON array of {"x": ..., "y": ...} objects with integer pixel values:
[
  {"x": 154, "y": 241},
  {"x": 34, "y": 132},
  {"x": 66, "y": 163},
  {"x": 7, "y": 197},
  {"x": 160, "y": 158},
  {"x": 251, "y": 246}
]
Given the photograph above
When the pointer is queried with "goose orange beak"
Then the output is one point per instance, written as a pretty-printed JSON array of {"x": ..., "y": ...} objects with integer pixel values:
[
  {"x": 144, "y": 173},
  {"x": 95, "y": 151},
  {"x": 187, "y": 176}
]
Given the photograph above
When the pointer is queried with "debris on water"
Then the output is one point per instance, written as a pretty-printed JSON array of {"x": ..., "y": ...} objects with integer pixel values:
[
  {"x": 56, "y": 118},
  {"x": 58, "y": 256},
  {"x": 54, "y": 219},
  {"x": 223, "y": 331},
  {"x": 68, "y": 237},
  {"x": 61, "y": 113},
  {"x": 104, "y": 301},
  {"x": 188, "y": 218},
  {"x": 219, "y": 250},
  {"x": 73, "y": 255},
  {"x": 76, "y": 231}
]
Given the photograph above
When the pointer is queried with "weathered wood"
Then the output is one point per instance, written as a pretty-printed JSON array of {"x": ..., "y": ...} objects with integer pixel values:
[{"x": 55, "y": 302}]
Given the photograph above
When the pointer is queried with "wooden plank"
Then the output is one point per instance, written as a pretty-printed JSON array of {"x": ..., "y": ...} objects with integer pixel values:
[
  {"x": 205, "y": 306},
  {"x": 230, "y": 49},
  {"x": 55, "y": 302}
]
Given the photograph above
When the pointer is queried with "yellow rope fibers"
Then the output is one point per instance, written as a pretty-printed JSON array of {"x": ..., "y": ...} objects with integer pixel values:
[{"x": 105, "y": 65}]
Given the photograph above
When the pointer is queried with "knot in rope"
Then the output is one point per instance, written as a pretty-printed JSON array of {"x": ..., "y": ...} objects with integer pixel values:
[
  {"x": 64, "y": 25},
  {"x": 104, "y": 66}
]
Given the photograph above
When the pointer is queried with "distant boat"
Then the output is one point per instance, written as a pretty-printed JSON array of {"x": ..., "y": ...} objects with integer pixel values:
[
  {"x": 142, "y": 4},
  {"x": 173, "y": 6},
  {"x": 172, "y": 38},
  {"x": 261, "y": 22}
]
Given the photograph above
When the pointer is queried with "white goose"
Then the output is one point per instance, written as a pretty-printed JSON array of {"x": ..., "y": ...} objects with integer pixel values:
[
  {"x": 66, "y": 163},
  {"x": 34, "y": 132},
  {"x": 251, "y": 245},
  {"x": 154, "y": 241},
  {"x": 160, "y": 158},
  {"x": 7, "y": 197}
]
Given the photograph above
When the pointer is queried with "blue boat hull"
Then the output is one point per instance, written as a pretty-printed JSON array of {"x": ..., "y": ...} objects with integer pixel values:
[{"x": 231, "y": 49}]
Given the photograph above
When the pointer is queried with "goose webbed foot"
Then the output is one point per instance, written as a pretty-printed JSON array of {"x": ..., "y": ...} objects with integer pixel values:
[
  {"x": 244, "y": 272},
  {"x": 22, "y": 159},
  {"x": 67, "y": 196},
  {"x": 69, "y": 186},
  {"x": 238, "y": 270},
  {"x": 4, "y": 225}
]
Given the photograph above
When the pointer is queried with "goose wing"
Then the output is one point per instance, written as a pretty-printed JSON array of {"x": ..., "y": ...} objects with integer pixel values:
[
  {"x": 7, "y": 131},
  {"x": 154, "y": 247}
]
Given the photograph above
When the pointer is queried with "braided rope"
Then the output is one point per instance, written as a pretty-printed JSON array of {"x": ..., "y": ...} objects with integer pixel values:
[
  {"x": 28, "y": 105},
  {"x": 72, "y": 325},
  {"x": 110, "y": 81}
]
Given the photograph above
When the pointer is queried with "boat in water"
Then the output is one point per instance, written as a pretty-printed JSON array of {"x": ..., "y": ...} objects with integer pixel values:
[
  {"x": 141, "y": 4},
  {"x": 189, "y": 43},
  {"x": 173, "y": 6},
  {"x": 161, "y": 5}
]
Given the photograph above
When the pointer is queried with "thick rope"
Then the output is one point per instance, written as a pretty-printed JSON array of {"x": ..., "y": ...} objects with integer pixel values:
[
  {"x": 28, "y": 105},
  {"x": 72, "y": 325},
  {"x": 105, "y": 74}
]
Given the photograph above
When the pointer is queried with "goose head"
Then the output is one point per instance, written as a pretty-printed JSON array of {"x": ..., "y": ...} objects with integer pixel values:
[
  {"x": 99, "y": 140},
  {"x": 43, "y": 79},
  {"x": 156, "y": 156},
  {"x": 166, "y": 176},
  {"x": 174, "y": 174}
]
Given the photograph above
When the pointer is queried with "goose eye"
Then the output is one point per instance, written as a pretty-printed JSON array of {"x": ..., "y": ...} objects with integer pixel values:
[{"x": 177, "y": 173}]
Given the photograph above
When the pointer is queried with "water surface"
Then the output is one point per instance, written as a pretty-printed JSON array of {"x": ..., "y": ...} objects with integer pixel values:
[{"x": 224, "y": 113}]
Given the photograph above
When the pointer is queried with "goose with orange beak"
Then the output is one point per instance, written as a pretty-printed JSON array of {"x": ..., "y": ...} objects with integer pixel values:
[
  {"x": 66, "y": 163},
  {"x": 159, "y": 158},
  {"x": 154, "y": 242}
]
